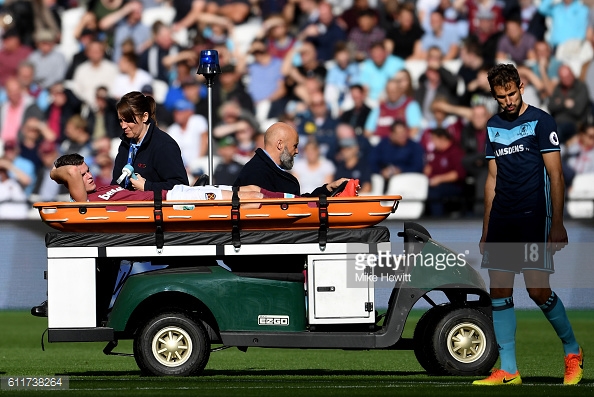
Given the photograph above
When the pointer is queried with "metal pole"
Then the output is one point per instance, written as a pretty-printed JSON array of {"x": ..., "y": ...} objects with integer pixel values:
[
  {"x": 209, "y": 83},
  {"x": 209, "y": 67}
]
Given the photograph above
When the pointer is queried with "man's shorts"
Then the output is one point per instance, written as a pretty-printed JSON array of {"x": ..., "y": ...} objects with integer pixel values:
[
  {"x": 182, "y": 192},
  {"x": 518, "y": 244}
]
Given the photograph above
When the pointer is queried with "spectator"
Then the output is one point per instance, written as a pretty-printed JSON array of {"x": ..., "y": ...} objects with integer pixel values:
[
  {"x": 231, "y": 88},
  {"x": 33, "y": 133},
  {"x": 313, "y": 169},
  {"x": 266, "y": 83},
  {"x": 19, "y": 168},
  {"x": 352, "y": 164},
  {"x": 296, "y": 76},
  {"x": 480, "y": 10},
  {"x": 95, "y": 11},
  {"x": 472, "y": 62},
  {"x": 126, "y": 23},
  {"x": 240, "y": 124},
  {"x": 50, "y": 64},
  {"x": 546, "y": 67},
  {"x": 151, "y": 59},
  {"x": 182, "y": 73},
  {"x": 63, "y": 105},
  {"x": 12, "y": 53},
  {"x": 569, "y": 20},
  {"x": 236, "y": 10},
  {"x": 367, "y": 32},
  {"x": 487, "y": 34},
  {"x": 441, "y": 35},
  {"x": 341, "y": 75},
  {"x": 324, "y": 33},
  {"x": 131, "y": 77},
  {"x": 396, "y": 154},
  {"x": 375, "y": 72},
  {"x": 404, "y": 39},
  {"x": 26, "y": 76},
  {"x": 94, "y": 73},
  {"x": 437, "y": 81},
  {"x": 349, "y": 17},
  {"x": 515, "y": 45},
  {"x": 78, "y": 139},
  {"x": 228, "y": 169},
  {"x": 397, "y": 105},
  {"x": 13, "y": 201},
  {"x": 45, "y": 188},
  {"x": 164, "y": 117},
  {"x": 317, "y": 122},
  {"x": 472, "y": 141},
  {"x": 569, "y": 103},
  {"x": 275, "y": 33},
  {"x": 445, "y": 172},
  {"x": 19, "y": 107},
  {"x": 104, "y": 167},
  {"x": 442, "y": 119},
  {"x": 190, "y": 131},
  {"x": 85, "y": 37},
  {"x": 579, "y": 156},
  {"x": 103, "y": 120},
  {"x": 356, "y": 116}
]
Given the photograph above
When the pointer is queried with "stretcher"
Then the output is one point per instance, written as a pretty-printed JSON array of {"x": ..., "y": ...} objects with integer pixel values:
[{"x": 302, "y": 213}]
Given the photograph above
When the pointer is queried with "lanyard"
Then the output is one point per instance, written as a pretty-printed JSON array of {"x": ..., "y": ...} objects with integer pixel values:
[{"x": 131, "y": 155}]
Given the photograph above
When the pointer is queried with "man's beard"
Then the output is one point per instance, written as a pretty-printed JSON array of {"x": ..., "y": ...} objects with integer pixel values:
[{"x": 286, "y": 160}]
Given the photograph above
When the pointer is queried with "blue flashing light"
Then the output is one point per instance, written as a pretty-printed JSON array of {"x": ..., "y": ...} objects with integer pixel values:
[{"x": 209, "y": 62}]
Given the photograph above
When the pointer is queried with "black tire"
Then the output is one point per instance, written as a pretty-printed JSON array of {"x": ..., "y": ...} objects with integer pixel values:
[
  {"x": 187, "y": 356},
  {"x": 458, "y": 341},
  {"x": 423, "y": 332}
]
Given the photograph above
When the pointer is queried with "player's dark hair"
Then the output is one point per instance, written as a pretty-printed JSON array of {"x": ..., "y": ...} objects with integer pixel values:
[
  {"x": 136, "y": 103},
  {"x": 503, "y": 75},
  {"x": 69, "y": 159}
]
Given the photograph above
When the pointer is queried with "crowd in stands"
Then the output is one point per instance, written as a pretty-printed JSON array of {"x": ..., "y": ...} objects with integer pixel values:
[{"x": 374, "y": 87}]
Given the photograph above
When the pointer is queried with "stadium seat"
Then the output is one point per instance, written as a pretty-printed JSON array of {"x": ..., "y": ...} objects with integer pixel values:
[
  {"x": 200, "y": 165},
  {"x": 164, "y": 13},
  {"x": 160, "y": 89},
  {"x": 413, "y": 187},
  {"x": 244, "y": 34},
  {"x": 415, "y": 67},
  {"x": 574, "y": 53},
  {"x": 69, "y": 45},
  {"x": 580, "y": 197}
]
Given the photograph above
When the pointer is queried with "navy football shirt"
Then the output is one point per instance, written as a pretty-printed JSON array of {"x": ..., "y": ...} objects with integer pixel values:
[{"x": 522, "y": 184}]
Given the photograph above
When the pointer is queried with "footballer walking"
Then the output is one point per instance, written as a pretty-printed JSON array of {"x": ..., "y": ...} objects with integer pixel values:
[{"x": 523, "y": 221}]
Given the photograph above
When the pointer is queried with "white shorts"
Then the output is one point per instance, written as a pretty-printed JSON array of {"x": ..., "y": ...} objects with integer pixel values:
[{"x": 183, "y": 192}]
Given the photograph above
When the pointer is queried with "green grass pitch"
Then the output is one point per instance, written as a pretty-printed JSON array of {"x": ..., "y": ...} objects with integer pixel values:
[{"x": 288, "y": 372}]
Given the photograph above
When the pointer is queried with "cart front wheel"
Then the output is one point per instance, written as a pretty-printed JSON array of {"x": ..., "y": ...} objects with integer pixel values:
[
  {"x": 172, "y": 344},
  {"x": 457, "y": 342}
]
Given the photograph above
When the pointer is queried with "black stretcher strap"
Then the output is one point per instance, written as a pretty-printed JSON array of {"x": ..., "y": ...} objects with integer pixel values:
[
  {"x": 158, "y": 213},
  {"x": 323, "y": 213},
  {"x": 235, "y": 238}
]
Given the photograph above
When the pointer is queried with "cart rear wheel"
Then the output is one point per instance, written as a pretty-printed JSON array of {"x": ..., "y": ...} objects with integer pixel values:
[
  {"x": 172, "y": 344},
  {"x": 456, "y": 342}
]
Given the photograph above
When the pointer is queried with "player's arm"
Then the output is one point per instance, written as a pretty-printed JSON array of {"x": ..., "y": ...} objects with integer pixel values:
[
  {"x": 558, "y": 234},
  {"x": 489, "y": 196},
  {"x": 69, "y": 176}
]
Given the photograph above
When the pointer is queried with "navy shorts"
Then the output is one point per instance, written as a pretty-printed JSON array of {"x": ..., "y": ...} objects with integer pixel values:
[{"x": 518, "y": 244}]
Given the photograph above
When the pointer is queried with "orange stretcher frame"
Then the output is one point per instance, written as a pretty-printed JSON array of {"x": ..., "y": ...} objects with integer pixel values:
[{"x": 195, "y": 216}]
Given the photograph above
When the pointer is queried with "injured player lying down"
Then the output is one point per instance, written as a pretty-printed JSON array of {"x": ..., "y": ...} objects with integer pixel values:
[{"x": 72, "y": 171}]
